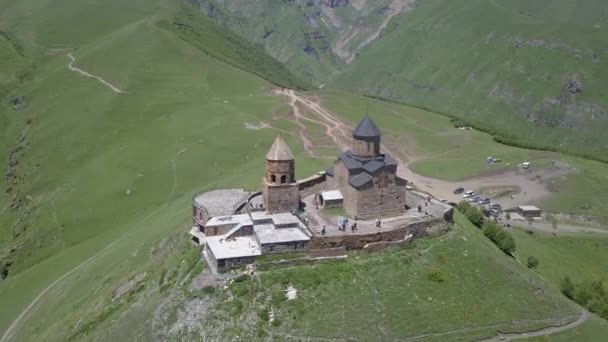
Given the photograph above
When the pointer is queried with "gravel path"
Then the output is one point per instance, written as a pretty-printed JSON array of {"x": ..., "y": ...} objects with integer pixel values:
[{"x": 84, "y": 73}]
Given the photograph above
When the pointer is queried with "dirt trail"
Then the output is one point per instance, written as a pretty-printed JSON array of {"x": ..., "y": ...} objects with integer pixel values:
[
  {"x": 584, "y": 316},
  {"x": 86, "y": 74},
  {"x": 340, "y": 133}
]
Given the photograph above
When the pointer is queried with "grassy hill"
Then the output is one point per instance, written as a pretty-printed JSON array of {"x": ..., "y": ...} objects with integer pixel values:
[
  {"x": 93, "y": 170},
  {"x": 530, "y": 73},
  {"x": 509, "y": 67}
]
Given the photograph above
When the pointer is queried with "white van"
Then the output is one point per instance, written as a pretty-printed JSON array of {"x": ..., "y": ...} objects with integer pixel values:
[
  {"x": 468, "y": 194},
  {"x": 525, "y": 165}
]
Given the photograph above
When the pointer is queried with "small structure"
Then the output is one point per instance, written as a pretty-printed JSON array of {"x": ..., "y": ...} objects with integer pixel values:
[
  {"x": 529, "y": 211},
  {"x": 331, "y": 199}
]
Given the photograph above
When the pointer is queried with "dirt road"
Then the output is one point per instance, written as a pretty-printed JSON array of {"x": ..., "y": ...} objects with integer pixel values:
[{"x": 340, "y": 133}]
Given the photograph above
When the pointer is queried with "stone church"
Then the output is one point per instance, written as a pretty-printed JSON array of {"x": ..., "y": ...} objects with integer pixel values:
[{"x": 367, "y": 178}]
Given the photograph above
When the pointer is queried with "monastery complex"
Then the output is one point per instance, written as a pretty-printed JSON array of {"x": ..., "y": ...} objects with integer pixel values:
[{"x": 375, "y": 208}]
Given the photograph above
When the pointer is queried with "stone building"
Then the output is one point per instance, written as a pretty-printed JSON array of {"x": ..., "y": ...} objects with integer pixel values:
[
  {"x": 366, "y": 178},
  {"x": 280, "y": 189}
]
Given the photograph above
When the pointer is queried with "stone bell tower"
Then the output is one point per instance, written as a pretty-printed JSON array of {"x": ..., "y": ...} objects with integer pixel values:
[
  {"x": 366, "y": 139},
  {"x": 280, "y": 190}
]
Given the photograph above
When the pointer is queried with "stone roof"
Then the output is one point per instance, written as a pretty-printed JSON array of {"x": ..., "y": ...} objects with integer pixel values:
[
  {"x": 350, "y": 161},
  {"x": 220, "y": 202},
  {"x": 367, "y": 129},
  {"x": 362, "y": 170},
  {"x": 360, "y": 180},
  {"x": 373, "y": 166},
  {"x": 279, "y": 150}
]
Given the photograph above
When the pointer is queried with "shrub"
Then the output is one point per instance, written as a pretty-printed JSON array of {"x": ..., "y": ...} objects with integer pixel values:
[
  {"x": 437, "y": 276},
  {"x": 501, "y": 238},
  {"x": 532, "y": 262},
  {"x": 3, "y": 271},
  {"x": 209, "y": 289},
  {"x": 567, "y": 287},
  {"x": 463, "y": 206},
  {"x": 475, "y": 216},
  {"x": 241, "y": 278}
]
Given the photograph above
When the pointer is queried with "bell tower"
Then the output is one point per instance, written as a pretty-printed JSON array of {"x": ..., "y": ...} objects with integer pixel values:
[
  {"x": 280, "y": 190},
  {"x": 366, "y": 139}
]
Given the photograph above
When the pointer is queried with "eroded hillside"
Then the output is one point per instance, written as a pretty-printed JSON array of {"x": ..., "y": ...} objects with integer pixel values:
[{"x": 315, "y": 38}]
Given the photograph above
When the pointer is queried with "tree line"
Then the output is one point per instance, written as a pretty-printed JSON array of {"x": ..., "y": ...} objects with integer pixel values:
[{"x": 500, "y": 237}]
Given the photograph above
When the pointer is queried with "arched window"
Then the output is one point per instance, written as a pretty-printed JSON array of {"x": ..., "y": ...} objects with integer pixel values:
[
  {"x": 273, "y": 178},
  {"x": 369, "y": 147},
  {"x": 283, "y": 179}
]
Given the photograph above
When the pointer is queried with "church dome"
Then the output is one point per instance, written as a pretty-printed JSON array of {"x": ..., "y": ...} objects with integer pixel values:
[
  {"x": 366, "y": 129},
  {"x": 279, "y": 150}
]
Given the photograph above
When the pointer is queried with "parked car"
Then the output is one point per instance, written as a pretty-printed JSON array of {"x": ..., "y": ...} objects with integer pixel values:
[
  {"x": 473, "y": 199},
  {"x": 495, "y": 206},
  {"x": 458, "y": 191},
  {"x": 469, "y": 194},
  {"x": 483, "y": 201}
]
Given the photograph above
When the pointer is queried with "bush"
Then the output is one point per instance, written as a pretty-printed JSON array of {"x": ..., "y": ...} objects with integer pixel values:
[
  {"x": 241, "y": 278},
  {"x": 437, "y": 276},
  {"x": 501, "y": 238},
  {"x": 475, "y": 216},
  {"x": 532, "y": 262},
  {"x": 3, "y": 271},
  {"x": 463, "y": 206},
  {"x": 567, "y": 287}
]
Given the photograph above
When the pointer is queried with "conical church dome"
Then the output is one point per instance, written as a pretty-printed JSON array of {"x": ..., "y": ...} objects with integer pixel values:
[
  {"x": 279, "y": 150},
  {"x": 367, "y": 129}
]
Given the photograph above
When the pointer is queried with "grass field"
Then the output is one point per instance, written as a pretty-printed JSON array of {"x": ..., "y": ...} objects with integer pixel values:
[{"x": 578, "y": 256}]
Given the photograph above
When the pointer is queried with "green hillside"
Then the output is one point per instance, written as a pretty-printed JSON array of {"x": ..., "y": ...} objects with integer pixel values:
[
  {"x": 315, "y": 39},
  {"x": 530, "y": 73},
  {"x": 89, "y": 168},
  {"x": 509, "y": 67}
]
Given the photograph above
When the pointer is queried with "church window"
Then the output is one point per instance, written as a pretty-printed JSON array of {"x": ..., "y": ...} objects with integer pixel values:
[
  {"x": 369, "y": 147},
  {"x": 283, "y": 179},
  {"x": 273, "y": 178}
]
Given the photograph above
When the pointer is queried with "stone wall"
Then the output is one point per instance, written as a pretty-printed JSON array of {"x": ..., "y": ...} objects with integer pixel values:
[
  {"x": 311, "y": 181},
  {"x": 366, "y": 148},
  {"x": 289, "y": 247},
  {"x": 386, "y": 197},
  {"x": 224, "y": 265},
  {"x": 357, "y": 241},
  {"x": 281, "y": 198},
  {"x": 279, "y": 169}
]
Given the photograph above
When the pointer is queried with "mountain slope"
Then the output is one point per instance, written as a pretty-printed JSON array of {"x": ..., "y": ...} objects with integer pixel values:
[
  {"x": 533, "y": 72},
  {"x": 316, "y": 39},
  {"x": 93, "y": 173}
]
